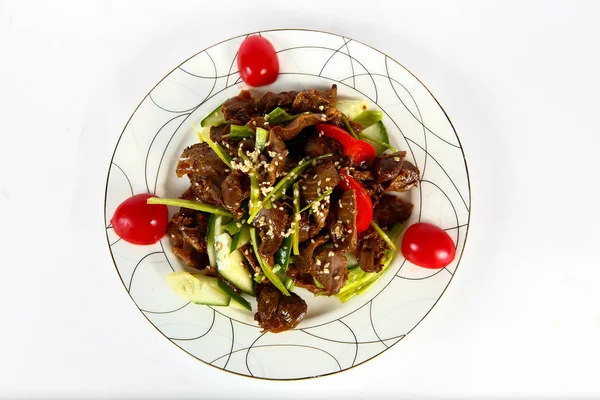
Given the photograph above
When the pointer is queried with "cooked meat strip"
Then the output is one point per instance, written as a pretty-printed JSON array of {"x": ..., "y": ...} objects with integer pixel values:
[
  {"x": 234, "y": 189},
  {"x": 343, "y": 225},
  {"x": 370, "y": 251},
  {"x": 387, "y": 166},
  {"x": 272, "y": 224},
  {"x": 314, "y": 100},
  {"x": 217, "y": 132},
  {"x": 319, "y": 180},
  {"x": 391, "y": 210},
  {"x": 200, "y": 159},
  {"x": 408, "y": 178},
  {"x": 277, "y": 312},
  {"x": 271, "y": 101},
  {"x": 240, "y": 109},
  {"x": 292, "y": 129},
  {"x": 249, "y": 255}
]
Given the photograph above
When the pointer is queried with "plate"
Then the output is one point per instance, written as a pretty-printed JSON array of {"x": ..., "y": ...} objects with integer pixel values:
[{"x": 333, "y": 337}]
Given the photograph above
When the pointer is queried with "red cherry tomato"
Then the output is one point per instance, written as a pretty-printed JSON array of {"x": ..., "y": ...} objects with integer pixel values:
[
  {"x": 359, "y": 151},
  {"x": 364, "y": 206},
  {"x": 257, "y": 61},
  {"x": 428, "y": 246},
  {"x": 140, "y": 223}
]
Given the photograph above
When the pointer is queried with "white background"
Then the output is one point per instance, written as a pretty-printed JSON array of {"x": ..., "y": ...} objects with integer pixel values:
[{"x": 519, "y": 80}]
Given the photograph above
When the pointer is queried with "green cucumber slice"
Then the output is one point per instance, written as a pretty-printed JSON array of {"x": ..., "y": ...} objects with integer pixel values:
[
  {"x": 236, "y": 299},
  {"x": 368, "y": 118},
  {"x": 210, "y": 240},
  {"x": 215, "y": 118},
  {"x": 379, "y": 136},
  {"x": 352, "y": 108},
  {"x": 231, "y": 265},
  {"x": 197, "y": 288},
  {"x": 240, "y": 238}
]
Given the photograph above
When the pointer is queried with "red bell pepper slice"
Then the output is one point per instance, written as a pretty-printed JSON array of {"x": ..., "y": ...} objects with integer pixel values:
[
  {"x": 359, "y": 151},
  {"x": 364, "y": 206}
]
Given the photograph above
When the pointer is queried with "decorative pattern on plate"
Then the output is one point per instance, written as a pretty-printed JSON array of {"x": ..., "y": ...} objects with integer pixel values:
[{"x": 334, "y": 336}]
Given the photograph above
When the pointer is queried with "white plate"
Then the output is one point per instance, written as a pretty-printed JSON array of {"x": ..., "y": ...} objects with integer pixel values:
[{"x": 333, "y": 337}]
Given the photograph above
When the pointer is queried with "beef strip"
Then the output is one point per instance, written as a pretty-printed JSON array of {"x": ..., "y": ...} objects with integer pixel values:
[
  {"x": 217, "y": 132},
  {"x": 240, "y": 109},
  {"x": 328, "y": 268},
  {"x": 200, "y": 159},
  {"x": 271, "y": 100},
  {"x": 314, "y": 100},
  {"x": 388, "y": 166},
  {"x": 335, "y": 117},
  {"x": 292, "y": 129},
  {"x": 311, "y": 226},
  {"x": 362, "y": 175},
  {"x": 408, "y": 178},
  {"x": 266, "y": 172},
  {"x": 277, "y": 312},
  {"x": 272, "y": 224},
  {"x": 391, "y": 210},
  {"x": 318, "y": 180},
  {"x": 316, "y": 145},
  {"x": 249, "y": 255},
  {"x": 276, "y": 145},
  {"x": 206, "y": 189},
  {"x": 370, "y": 251},
  {"x": 187, "y": 231},
  {"x": 205, "y": 170},
  {"x": 343, "y": 225},
  {"x": 257, "y": 122},
  {"x": 234, "y": 189}
]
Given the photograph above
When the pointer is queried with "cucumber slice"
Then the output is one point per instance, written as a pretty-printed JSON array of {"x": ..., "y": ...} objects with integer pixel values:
[
  {"x": 210, "y": 240},
  {"x": 215, "y": 118},
  {"x": 351, "y": 261},
  {"x": 379, "y": 136},
  {"x": 236, "y": 299},
  {"x": 197, "y": 288},
  {"x": 352, "y": 108},
  {"x": 368, "y": 118},
  {"x": 231, "y": 265},
  {"x": 240, "y": 238}
]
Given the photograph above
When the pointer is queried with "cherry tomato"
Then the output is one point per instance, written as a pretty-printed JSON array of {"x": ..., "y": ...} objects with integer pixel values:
[
  {"x": 428, "y": 246},
  {"x": 257, "y": 61},
  {"x": 364, "y": 206},
  {"x": 140, "y": 223},
  {"x": 359, "y": 151}
]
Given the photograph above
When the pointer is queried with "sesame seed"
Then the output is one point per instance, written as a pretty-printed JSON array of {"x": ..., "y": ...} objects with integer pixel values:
[
  {"x": 321, "y": 107},
  {"x": 397, "y": 159},
  {"x": 331, "y": 254}
]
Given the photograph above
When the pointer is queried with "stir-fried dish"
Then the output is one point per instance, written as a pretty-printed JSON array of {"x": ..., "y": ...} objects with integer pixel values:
[{"x": 295, "y": 189}]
